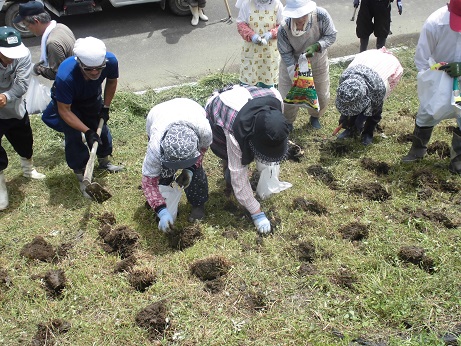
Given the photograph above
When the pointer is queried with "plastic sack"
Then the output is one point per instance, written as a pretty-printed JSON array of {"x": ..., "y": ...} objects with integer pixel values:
[
  {"x": 303, "y": 92},
  {"x": 38, "y": 96},
  {"x": 269, "y": 183},
  {"x": 172, "y": 195}
]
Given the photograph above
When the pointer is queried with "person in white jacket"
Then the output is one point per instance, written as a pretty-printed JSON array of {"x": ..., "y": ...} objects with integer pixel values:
[{"x": 179, "y": 135}]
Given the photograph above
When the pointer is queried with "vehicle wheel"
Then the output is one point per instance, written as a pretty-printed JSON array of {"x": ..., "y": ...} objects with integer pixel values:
[
  {"x": 10, "y": 14},
  {"x": 179, "y": 7}
]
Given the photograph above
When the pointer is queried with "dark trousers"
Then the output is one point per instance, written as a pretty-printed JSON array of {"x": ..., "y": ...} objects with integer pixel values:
[
  {"x": 19, "y": 134},
  {"x": 374, "y": 17}
]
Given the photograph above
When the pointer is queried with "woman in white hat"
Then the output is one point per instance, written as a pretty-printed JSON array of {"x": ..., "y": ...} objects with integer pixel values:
[{"x": 307, "y": 29}]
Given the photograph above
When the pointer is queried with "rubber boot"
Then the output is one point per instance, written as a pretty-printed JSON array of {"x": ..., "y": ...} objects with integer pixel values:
[
  {"x": 455, "y": 152},
  {"x": 347, "y": 133},
  {"x": 197, "y": 213},
  {"x": 421, "y": 136},
  {"x": 364, "y": 44},
  {"x": 202, "y": 15},
  {"x": 380, "y": 42},
  {"x": 195, "y": 15},
  {"x": 104, "y": 163},
  {"x": 79, "y": 174},
  {"x": 28, "y": 169},
  {"x": 315, "y": 123},
  {"x": 367, "y": 133},
  {"x": 3, "y": 192}
]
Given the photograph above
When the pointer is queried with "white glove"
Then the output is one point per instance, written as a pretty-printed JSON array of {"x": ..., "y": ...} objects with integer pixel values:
[
  {"x": 166, "y": 220},
  {"x": 261, "y": 223}
]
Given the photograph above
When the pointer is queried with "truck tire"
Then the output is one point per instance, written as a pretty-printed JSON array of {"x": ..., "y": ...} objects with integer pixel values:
[
  {"x": 179, "y": 7},
  {"x": 10, "y": 14}
]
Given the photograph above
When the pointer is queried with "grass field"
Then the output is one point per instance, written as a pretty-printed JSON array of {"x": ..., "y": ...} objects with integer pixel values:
[{"x": 365, "y": 249}]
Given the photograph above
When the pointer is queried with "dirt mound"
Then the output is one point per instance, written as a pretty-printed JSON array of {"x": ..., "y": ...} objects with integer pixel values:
[
  {"x": 141, "y": 278},
  {"x": 306, "y": 251},
  {"x": 425, "y": 178},
  {"x": 405, "y": 138},
  {"x": 107, "y": 218},
  {"x": 257, "y": 300},
  {"x": 154, "y": 319},
  {"x": 315, "y": 207},
  {"x": 295, "y": 152},
  {"x": 354, "y": 231},
  {"x": 344, "y": 278},
  {"x": 433, "y": 216},
  {"x": 210, "y": 268},
  {"x": 337, "y": 148},
  {"x": 322, "y": 174},
  {"x": 214, "y": 286},
  {"x": 39, "y": 249},
  {"x": 439, "y": 148},
  {"x": 121, "y": 240},
  {"x": 183, "y": 238},
  {"x": 125, "y": 264},
  {"x": 425, "y": 193},
  {"x": 46, "y": 332},
  {"x": 378, "y": 167},
  {"x": 307, "y": 269},
  {"x": 55, "y": 281},
  {"x": 5, "y": 280},
  {"x": 371, "y": 191},
  {"x": 416, "y": 255}
]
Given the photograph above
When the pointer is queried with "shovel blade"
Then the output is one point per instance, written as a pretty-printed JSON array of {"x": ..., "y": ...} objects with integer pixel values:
[{"x": 97, "y": 192}]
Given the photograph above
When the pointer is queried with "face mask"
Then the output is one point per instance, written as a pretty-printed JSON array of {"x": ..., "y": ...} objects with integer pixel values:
[{"x": 294, "y": 30}]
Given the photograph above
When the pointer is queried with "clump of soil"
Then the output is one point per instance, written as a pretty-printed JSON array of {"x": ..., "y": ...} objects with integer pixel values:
[
  {"x": 425, "y": 193},
  {"x": 425, "y": 178},
  {"x": 322, "y": 174},
  {"x": 434, "y": 216},
  {"x": 122, "y": 240},
  {"x": 295, "y": 152},
  {"x": 106, "y": 218},
  {"x": 338, "y": 148},
  {"x": 154, "y": 318},
  {"x": 416, "y": 255},
  {"x": 354, "y": 231},
  {"x": 55, "y": 281},
  {"x": 141, "y": 278},
  {"x": 39, "y": 249},
  {"x": 125, "y": 264},
  {"x": 378, "y": 167},
  {"x": 182, "y": 239},
  {"x": 307, "y": 269},
  {"x": 230, "y": 233},
  {"x": 46, "y": 332},
  {"x": 439, "y": 148},
  {"x": 405, "y": 138},
  {"x": 306, "y": 251},
  {"x": 63, "y": 249},
  {"x": 315, "y": 207},
  {"x": 257, "y": 300},
  {"x": 371, "y": 191},
  {"x": 5, "y": 280},
  {"x": 405, "y": 112},
  {"x": 344, "y": 278},
  {"x": 214, "y": 286},
  {"x": 210, "y": 268}
]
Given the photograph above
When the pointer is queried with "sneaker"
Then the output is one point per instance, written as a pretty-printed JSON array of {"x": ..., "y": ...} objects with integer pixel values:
[
  {"x": 197, "y": 213},
  {"x": 315, "y": 123}
]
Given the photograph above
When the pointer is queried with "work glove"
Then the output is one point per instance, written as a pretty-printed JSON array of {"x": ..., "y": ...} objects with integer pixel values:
[
  {"x": 256, "y": 39},
  {"x": 185, "y": 178},
  {"x": 104, "y": 113},
  {"x": 310, "y": 51},
  {"x": 453, "y": 69},
  {"x": 400, "y": 6},
  {"x": 166, "y": 220},
  {"x": 267, "y": 36},
  {"x": 356, "y": 3},
  {"x": 92, "y": 137},
  {"x": 261, "y": 223},
  {"x": 37, "y": 69}
]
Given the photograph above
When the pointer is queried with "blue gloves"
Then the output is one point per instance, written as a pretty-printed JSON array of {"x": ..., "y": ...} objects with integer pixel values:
[
  {"x": 356, "y": 3},
  {"x": 453, "y": 69},
  {"x": 267, "y": 36},
  {"x": 256, "y": 39},
  {"x": 185, "y": 178},
  {"x": 400, "y": 6},
  {"x": 261, "y": 223},
  {"x": 166, "y": 220}
]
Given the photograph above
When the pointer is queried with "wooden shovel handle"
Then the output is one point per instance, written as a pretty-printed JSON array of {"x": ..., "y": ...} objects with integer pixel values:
[{"x": 88, "y": 175}]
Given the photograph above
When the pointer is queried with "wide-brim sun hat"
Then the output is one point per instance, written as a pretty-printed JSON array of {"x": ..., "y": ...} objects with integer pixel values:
[
  {"x": 11, "y": 44},
  {"x": 454, "y": 7},
  {"x": 179, "y": 147},
  {"x": 351, "y": 97},
  {"x": 298, "y": 8}
]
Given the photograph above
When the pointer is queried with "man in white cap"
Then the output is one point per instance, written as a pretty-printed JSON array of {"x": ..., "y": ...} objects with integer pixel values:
[
  {"x": 78, "y": 96},
  {"x": 440, "y": 39},
  {"x": 307, "y": 29},
  {"x": 362, "y": 89},
  {"x": 179, "y": 135},
  {"x": 15, "y": 67}
]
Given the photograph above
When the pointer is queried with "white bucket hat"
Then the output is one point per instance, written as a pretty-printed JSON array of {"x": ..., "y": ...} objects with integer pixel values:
[{"x": 298, "y": 8}]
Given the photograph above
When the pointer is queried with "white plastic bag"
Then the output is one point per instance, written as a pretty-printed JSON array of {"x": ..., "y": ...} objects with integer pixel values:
[
  {"x": 172, "y": 195},
  {"x": 435, "y": 89},
  {"x": 269, "y": 183},
  {"x": 38, "y": 96}
]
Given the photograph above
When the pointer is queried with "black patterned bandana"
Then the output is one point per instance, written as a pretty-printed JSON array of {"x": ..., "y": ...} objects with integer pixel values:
[{"x": 179, "y": 147}]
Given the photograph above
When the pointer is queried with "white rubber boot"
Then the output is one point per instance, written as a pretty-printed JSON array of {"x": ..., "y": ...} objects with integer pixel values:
[
  {"x": 195, "y": 15},
  {"x": 28, "y": 169},
  {"x": 201, "y": 14},
  {"x": 3, "y": 192}
]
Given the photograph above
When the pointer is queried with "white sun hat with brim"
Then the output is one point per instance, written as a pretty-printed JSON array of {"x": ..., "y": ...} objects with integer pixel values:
[
  {"x": 11, "y": 45},
  {"x": 298, "y": 8}
]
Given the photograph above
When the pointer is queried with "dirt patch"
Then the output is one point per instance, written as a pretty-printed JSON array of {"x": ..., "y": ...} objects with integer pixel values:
[
  {"x": 433, "y": 216},
  {"x": 107, "y": 218},
  {"x": 315, "y": 207},
  {"x": 439, "y": 148},
  {"x": 337, "y": 148},
  {"x": 322, "y": 174},
  {"x": 5, "y": 279},
  {"x": 46, "y": 332},
  {"x": 180, "y": 239},
  {"x": 425, "y": 178},
  {"x": 378, "y": 167},
  {"x": 424, "y": 193},
  {"x": 306, "y": 269},
  {"x": 230, "y": 233},
  {"x": 141, "y": 278},
  {"x": 344, "y": 278},
  {"x": 405, "y": 138},
  {"x": 416, "y": 255},
  {"x": 154, "y": 319},
  {"x": 121, "y": 240},
  {"x": 214, "y": 286},
  {"x": 405, "y": 112},
  {"x": 306, "y": 251},
  {"x": 257, "y": 300},
  {"x": 210, "y": 268},
  {"x": 354, "y": 231},
  {"x": 371, "y": 191},
  {"x": 55, "y": 282},
  {"x": 295, "y": 152},
  {"x": 39, "y": 249},
  {"x": 125, "y": 264}
]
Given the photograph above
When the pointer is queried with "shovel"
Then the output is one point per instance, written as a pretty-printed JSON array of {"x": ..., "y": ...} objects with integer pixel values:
[
  {"x": 456, "y": 98},
  {"x": 94, "y": 190}
]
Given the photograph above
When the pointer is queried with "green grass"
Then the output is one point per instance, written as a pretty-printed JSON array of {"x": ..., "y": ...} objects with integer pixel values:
[{"x": 391, "y": 301}]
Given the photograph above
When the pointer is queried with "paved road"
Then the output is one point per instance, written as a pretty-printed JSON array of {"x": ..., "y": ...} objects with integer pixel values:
[{"x": 156, "y": 48}]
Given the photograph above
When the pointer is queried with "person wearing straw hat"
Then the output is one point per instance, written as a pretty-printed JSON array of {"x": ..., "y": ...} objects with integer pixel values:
[
  {"x": 15, "y": 67},
  {"x": 179, "y": 136},
  {"x": 307, "y": 29},
  {"x": 363, "y": 87},
  {"x": 440, "y": 40},
  {"x": 247, "y": 125}
]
